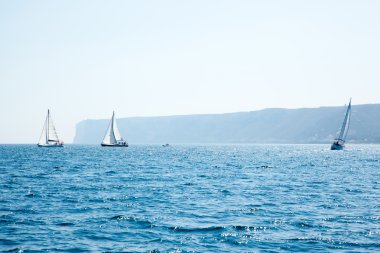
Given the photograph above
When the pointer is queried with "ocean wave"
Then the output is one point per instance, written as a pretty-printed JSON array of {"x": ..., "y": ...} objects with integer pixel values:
[
  {"x": 200, "y": 198},
  {"x": 139, "y": 221}
]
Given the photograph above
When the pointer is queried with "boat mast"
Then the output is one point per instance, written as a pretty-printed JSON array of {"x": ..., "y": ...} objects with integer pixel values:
[
  {"x": 112, "y": 125},
  {"x": 348, "y": 118},
  {"x": 47, "y": 127},
  {"x": 345, "y": 125}
]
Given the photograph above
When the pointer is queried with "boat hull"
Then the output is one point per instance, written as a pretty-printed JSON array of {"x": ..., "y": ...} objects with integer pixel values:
[
  {"x": 336, "y": 146},
  {"x": 114, "y": 145},
  {"x": 50, "y": 146}
]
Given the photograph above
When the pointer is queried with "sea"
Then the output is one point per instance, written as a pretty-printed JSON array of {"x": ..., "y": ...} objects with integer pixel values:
[{"x": 190, "y": 198}]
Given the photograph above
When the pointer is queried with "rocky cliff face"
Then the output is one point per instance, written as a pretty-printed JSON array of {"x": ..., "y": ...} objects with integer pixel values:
[{"x": 310, "y": 125}]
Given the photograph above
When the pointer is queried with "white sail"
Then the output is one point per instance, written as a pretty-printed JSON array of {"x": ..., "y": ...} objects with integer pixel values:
[
  {"x": 345, "y": 125},
  {"x": 112, "y": 136},
  {"x": 49, "y": 135},
  {"x": 43, "y": 138},
  {"x": 52, "y": 136},
  {"x": 116, "y": 131}
]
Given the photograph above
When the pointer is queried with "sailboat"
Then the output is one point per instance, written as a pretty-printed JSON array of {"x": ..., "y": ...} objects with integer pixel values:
[
  {"x": 338, "y": 143},
  {"x": 49, "y": 136},
  {"x": 113, "y": 137}
]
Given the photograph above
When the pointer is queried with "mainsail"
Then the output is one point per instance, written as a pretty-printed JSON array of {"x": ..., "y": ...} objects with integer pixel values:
[
  {"x": 346, "y": 124},
  {"x": 113, "y": 135},
  {"x": 49, "y": 134}
]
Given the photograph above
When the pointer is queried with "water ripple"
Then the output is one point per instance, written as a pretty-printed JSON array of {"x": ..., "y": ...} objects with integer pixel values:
[{"x": 231, "y": 198}]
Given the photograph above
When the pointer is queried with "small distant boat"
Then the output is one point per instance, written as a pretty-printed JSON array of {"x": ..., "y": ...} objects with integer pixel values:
[
  {"x": 166, "y": 145},
  {"x": 338, "y": 143},
  {"x": 113, "y": 137},
  {"x": 49, "y": 136}
]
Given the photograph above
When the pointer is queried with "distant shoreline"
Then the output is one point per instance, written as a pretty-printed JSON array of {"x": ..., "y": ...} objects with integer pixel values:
[{"x": 267, "y": 126}]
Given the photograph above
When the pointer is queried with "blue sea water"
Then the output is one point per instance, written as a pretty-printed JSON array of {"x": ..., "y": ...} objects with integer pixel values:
[{"x": 228, "y": 198}]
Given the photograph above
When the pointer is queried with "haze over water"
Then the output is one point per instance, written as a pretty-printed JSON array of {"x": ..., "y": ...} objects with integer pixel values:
[{"x": 217, "y": 198}]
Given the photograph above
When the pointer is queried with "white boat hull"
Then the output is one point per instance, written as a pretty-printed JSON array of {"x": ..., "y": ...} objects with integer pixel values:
[{"x": 50, "y": 145}]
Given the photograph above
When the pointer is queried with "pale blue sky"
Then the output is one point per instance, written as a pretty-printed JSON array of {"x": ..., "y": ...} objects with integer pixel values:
[{"x": 83, "y": 59}]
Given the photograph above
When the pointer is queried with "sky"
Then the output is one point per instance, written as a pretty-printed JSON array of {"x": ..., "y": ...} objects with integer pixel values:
[{"x": 84, "y": 59}]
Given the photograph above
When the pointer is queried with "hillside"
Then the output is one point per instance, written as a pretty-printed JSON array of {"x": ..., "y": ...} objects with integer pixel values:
[{"x": 309, "y": 125}]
